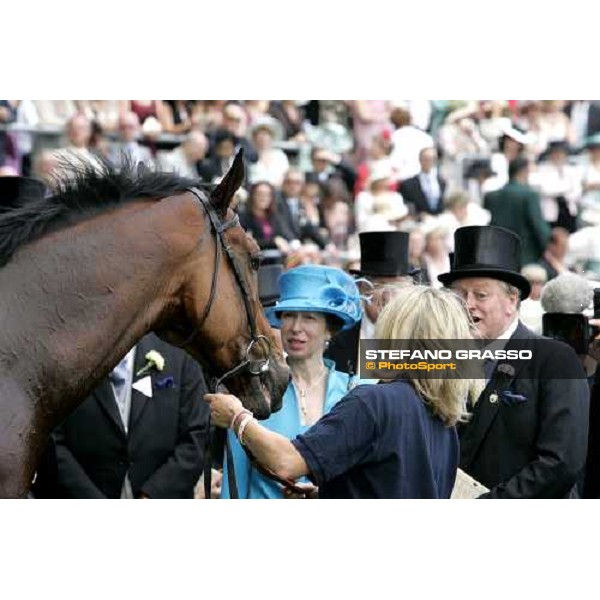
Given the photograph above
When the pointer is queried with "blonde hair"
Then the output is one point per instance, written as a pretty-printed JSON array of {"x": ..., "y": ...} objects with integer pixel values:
[{"x": 424, "y": 313}]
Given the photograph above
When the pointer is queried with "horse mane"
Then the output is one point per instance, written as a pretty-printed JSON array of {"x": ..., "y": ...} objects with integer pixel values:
[{"x": 81, "y": 189}]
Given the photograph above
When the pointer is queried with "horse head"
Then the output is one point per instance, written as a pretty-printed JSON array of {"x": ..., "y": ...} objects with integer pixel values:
[{"x": 223, "y": 325}]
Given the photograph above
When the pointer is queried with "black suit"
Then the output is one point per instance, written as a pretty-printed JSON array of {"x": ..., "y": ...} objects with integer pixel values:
[
  {"x": 413, "y": 194},
  {"x": 534, "y": 448},
  {"x": 343, "y": 349},
  {"x": 297, "y": 227},
  {"x": 163, "y": 451},
  {"x": 289, "y": 222}
]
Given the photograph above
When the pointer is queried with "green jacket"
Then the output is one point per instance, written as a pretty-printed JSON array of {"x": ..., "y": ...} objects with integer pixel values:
[{"x": 517, "y": 207}]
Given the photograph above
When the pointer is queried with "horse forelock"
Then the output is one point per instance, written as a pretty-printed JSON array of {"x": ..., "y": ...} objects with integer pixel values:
[{"x": 80, "y": 191}]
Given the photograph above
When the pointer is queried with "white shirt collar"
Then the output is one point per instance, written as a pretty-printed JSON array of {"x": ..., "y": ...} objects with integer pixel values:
[
  {"x": 431, "y": 173},
  {"x": 500, "y": 342},
  {"x": 508, "y": 333}
]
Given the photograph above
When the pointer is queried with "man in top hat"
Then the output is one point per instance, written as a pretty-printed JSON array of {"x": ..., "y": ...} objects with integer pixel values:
[
  {"x": 528, "y": 432},
  {"x": 385, "y": 267}
]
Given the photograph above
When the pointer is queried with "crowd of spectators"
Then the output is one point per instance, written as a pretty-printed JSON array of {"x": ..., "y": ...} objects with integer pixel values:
[{"x": 320, "y": 172}]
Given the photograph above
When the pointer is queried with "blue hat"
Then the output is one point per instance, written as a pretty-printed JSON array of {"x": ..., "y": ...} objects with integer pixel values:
[{"x": 314, "y": 288}]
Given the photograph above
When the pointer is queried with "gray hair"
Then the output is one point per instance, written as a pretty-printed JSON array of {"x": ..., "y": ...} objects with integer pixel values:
[
  {"x": 567, "y": 293},
  {"x": 511, "y": 290}
]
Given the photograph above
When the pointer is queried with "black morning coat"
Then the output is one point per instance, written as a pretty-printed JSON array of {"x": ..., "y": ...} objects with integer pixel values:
[{"x": 527, "y": 437}]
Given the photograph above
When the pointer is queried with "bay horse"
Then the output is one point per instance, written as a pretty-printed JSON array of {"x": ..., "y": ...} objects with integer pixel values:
[{"x": 110, "y": 256}]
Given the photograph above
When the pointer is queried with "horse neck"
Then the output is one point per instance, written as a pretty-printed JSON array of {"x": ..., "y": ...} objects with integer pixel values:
[{"x": 86, "y": 296}]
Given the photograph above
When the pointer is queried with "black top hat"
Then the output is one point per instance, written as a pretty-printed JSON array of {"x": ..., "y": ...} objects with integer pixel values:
[
  {"x": 554, "y": 145},
  {"x": 487, "y": 251},
  {"x": 222, "y": 135},
  {"x": 270, "y": 270},
  {"x": 384, "y": 254},
  {"x": 479, "y": 166},
  {"x": 18, "y": 190}
]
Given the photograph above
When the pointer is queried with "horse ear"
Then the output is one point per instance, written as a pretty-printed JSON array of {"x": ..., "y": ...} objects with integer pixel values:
[{"x": 222, "y": 195}]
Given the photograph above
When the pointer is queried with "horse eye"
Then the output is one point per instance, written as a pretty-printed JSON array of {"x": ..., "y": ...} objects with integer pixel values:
[{"x": 255, "y": 262}]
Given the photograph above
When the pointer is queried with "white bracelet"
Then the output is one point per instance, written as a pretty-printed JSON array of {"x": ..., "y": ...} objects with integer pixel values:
[
  {"x": 244, "y": 411},
  {"x": 242, "y": 427},
  {"x": 243, "y": 419}
]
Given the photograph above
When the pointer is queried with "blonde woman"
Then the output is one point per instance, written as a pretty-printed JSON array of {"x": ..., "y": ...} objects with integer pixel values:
[{"x": 391, "y": 440}]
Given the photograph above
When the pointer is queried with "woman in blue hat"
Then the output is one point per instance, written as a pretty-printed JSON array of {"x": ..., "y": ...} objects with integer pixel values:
[{"x": 315, "y": 303}]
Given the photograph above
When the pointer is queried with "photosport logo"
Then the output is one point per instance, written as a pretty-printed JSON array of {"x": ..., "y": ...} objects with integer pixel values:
[{"x": 470, "y": 359}]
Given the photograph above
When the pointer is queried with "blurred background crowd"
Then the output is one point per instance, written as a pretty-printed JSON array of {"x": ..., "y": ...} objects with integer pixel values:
[{"x": 320, "y": 172}]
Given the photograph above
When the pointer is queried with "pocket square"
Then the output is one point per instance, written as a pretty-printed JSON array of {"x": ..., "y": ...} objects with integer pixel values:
[
  {"x": 165, "y": 382},
  {"x": 512, "y": 398}
]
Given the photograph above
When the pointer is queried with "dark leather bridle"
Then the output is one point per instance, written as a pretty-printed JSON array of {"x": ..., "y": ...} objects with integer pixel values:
[
  {"x": 253, "y": 368},
  {"x": 221, "y": 245}
]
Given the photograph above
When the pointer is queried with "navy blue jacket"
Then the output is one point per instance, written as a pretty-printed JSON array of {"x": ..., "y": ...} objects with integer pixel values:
[{"x": 381, "y": 441}]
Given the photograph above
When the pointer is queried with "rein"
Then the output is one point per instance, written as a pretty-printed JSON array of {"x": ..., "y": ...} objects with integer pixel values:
[{"x": 254, "y": 368}]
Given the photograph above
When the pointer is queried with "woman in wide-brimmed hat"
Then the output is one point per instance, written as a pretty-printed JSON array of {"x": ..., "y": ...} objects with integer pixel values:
[
  {"x": 315, "y": 302},
  {"x": 272, "y": 163},
  {"x": 511, "y": 145}
]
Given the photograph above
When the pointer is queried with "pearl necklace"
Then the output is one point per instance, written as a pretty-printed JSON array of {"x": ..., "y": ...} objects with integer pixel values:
[{"x": 302, "y": 392}]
